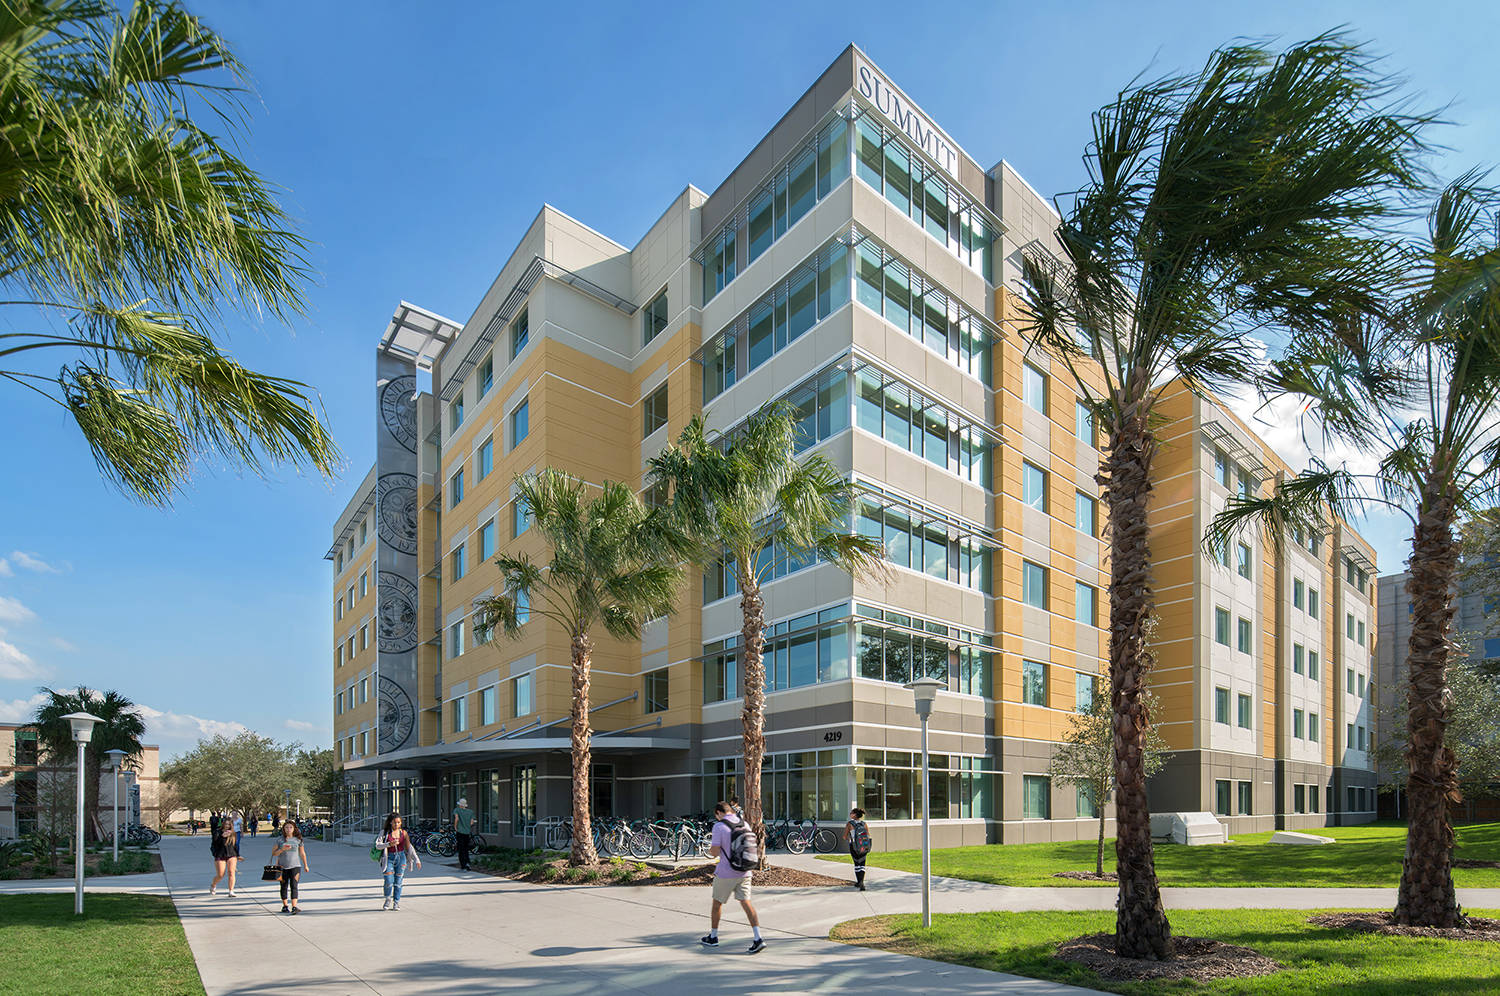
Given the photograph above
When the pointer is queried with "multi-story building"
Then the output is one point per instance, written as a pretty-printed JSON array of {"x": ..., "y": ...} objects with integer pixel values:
[
  {"x": 35, "y": 793},
  {"x": 861, "y": 265}
]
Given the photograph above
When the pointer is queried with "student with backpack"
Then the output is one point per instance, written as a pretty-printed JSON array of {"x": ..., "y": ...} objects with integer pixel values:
[
  {"x": 738, "y": 851},
  {"x": 857, "y": 833}
]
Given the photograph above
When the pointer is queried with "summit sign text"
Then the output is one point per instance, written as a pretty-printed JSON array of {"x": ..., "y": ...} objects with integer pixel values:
[{"x": 903, "y": 114}]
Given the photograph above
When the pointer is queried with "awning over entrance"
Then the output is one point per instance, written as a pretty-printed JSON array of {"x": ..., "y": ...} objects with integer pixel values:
[{"x": 479, "y": 751}]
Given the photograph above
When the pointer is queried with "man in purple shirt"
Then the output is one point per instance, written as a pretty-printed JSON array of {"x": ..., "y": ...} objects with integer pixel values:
[{"x": 727, "y": 881}]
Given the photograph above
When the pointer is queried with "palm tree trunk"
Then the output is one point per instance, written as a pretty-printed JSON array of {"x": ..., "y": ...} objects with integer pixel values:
[
  {"x": 1426, "y": 897},
  {"x": 583, "y": 834},
  {"x": 1141, "y": 927},
  {"x": 753, "y": 719}
]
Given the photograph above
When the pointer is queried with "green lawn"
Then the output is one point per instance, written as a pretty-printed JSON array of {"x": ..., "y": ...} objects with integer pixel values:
[
  {"x": 1364, "y": 856},
  {"x": 1316, "y": 960},
  {"x": 122, "y": 944}
]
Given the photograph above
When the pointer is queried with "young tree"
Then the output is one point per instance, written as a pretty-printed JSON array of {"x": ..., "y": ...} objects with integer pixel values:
[
  {"x": 120, "y": 728},
  {"x": 245, "y": 774},
  {"x": 1087, "y": 755},
  {"x": 614, "y": 564},
  {"x": 1479, "y": 562},
  {"x": 1417, "y": 383},
  {"x": 1472, "y": 731},
  {"x": 752, "y": 506},
  {"x": 321, "y": 776},
  {"x": 128, "y": 220},
  {"x": 1217, "y": 203}
]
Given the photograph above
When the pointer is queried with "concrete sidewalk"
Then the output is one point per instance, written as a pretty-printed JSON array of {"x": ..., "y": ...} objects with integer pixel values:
[
  {"x": 465, "y": 932},
  {"x": 149, "y": 883}
]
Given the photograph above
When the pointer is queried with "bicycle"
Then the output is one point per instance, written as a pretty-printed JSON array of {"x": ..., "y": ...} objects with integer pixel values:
[{"x": 824, "y": 840}]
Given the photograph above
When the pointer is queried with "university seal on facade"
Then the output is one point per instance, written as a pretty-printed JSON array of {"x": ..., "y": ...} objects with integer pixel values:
[
  {"x": 396, "y": 614},
  {"x": 396, "y": 511},
  {"x": 398, "y": 410},
  {"x": 396, "y": 716}
]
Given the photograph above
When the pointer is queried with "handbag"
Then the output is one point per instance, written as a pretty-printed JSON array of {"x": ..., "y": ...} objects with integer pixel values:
[
  {"x": 377, "y": 849},
  {"x": 270, "y": 874}
]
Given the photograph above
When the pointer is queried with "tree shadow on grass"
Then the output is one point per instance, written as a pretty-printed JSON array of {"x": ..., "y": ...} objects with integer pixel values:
[{"x": 54, "y": 909}]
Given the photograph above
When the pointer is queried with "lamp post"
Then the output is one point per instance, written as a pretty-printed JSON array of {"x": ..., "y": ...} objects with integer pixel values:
[
  {"x": 288, "y": 805},
  {"x": 83, "y": 730},
  {"x": 924, "y": 691},
  {"x": 116, "y": 756}
]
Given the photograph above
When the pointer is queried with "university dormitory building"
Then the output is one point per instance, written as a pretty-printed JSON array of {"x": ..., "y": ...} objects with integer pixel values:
[{"x": 860, "y": 264}]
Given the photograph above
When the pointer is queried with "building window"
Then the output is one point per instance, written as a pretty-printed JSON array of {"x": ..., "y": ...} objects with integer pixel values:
[
  {"x": 1361, "y": 685},
  {"x": 349, "y": 651},
  {"x": 364, "y": 637},
  {"x": 338, "y": 655},
  {"x": 1085, "y": 514},
  {"x": 654, "y": 318},
  {"x": 1299, "y": 798},
  {"x": 460, "y": 560},
  {"x": 1034, "y": 388},
  {"x": 523, "y": 808},
  {"x": 1312, "y": 798},
  {"x": 720, "y": 671},
  {"x": 655, "y": 407},
  {"x": 1312, "y": 727},
  {"x": 520, "y": 517},
  {"x": 520, "y": 423},
  {"x": 1245, "y": 635},
  {"x": 1221, "y": 626},
  {"x": 888, "y": 409},
  {"x": 456, "y": 639},
  {"x": 1087, "y": 689},
  {"x": 656, "y": 691},
  {"x": 1245, "y": 806},
  {"x": 1033, "y": 584},
  {"x": 1297, "y": 655},
  {"x": 1349, "y": 680},
  {"x": 338, "y": 562},
  {"x": 1221, "y": 706},
  {"x": 1349, "y": 625},
  {"x": 487, "y": 710},
  {"x": 458, "y": 711},
  {"x": 1297, "y": 729},
  {"x": 338, "y": 608},
  {"x": 487, "y": 540},
  {"x": 1247, "y": 485},
  {"x": 1312, "y": 665},
  {"x": 1359, "y": 632},
  {"x": 1036, "y": 797},
  {"x": 364, "y": 531},
  {"x": 1312, "y": 602},
  {"x": 520, "y": 331},
  {"x": 1083, "y": 423},
  {"x": 1222, "y": 797},
  {"x": 523, "y": 608},
  {"x": 1349, "y": 737},
  {"x": 1034, "y": 683},
  {"x": 719, "y": 261},
  {"x": 1244, "y": 711},
  {"x": 1221, "y": 554},
  {"x": 364, "y": 584},
  {"x": 1033, "y": 486},
  {"x": 1085, "y": 599},
  {"x": 364, "y": 742},
  {"x": 1297, "y": 593},
  {"x": 1242, "y": 560},
  {"x": 349, "y": 596},
  {"x": 486, "y": 379},
  {"x": 1088, "y": 808},
  {"x": 456, "y": 488},
  {"x": 486, "y": 457},
  {"x": 524, "y": 689},
  {"x": 456, "y": 413},
  {"x": 1362, "y": 738}
]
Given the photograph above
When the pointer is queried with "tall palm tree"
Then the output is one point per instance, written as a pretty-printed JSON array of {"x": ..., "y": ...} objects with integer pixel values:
[
  {"x": 127, "y": 229},
  {"x": 1218, "y": 203},
  {"x": 121, "y": 727},
  {"x": 614, "y": 564},
  {"x": 755, "y": 505},
  {"x": 1419, "y": 385}
]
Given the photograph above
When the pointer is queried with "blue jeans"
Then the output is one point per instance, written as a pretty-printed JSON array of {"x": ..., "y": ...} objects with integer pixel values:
[{"x": 395, "y": 871}]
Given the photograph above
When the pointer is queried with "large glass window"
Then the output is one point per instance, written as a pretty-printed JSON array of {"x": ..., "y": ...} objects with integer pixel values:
[
  {"x": 1242, "y": 560},
  {"x": 1033, "y": 486},
  {"x": 460, "y": 560},
  {"x": 1036, "y": 797},
  {"x": 1222, "y": 797},
  {"x": 487, "y": 540},
  {"x": 1245, "y": 635},
  {"x": 1298, "y": 654},
  {"x": 520, "y": 423},
  {"x": 887, "y": 785},
  {"x": 458, "y": 710},
  {"x": 901, "y": 416},
  {"x": 1221, "y": 706},
  {"x": 899, "y": 648},
  {"x": 654, "y": 318},
  {"x": 487, "y": 707},
  {"x": 1083, "y": 423},
  {"x": 1245, "y": 793},
  {"x": 890, "y": 287},
  {"x": 925, "y": 541},
  {"x": 1085, "y": 691},
  {"x": 486, "y": 457},
  {"x": 1085, "y": 603},
  {"x": 656, "y": 687},
  {"x": 1034, "y": 683},
  {"x": 720, "y": 671},
  {"x": 1033, "y": 388},
  {"x": 456, "y": 488},
  {"x": 456, "y": 640},
  {"x": 1221, "y": 626},
  {"x": 523, "y": 810},
  {"x": 1033, "y": 584},
  {"x": 523, "y": 694},
  {"x": 1085, "y": 514},
  {"x": 655, "y": 407}
]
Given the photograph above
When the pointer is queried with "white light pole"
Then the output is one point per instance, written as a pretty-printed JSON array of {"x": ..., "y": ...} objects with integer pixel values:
[
  {"x": 83, "y": 729},
  {"x": 116, "y": 756},
  {"x": 925, "y": 690}
]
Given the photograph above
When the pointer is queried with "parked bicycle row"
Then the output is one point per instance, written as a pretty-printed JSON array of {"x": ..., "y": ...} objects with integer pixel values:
[{"x": 684, "y": 837}]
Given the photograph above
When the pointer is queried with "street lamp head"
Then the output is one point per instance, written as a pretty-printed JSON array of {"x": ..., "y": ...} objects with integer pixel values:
[
  {"x": 116, "y": 758},
  {"x": 924, "y": 691},
  {"x": 83, "y": 725}
]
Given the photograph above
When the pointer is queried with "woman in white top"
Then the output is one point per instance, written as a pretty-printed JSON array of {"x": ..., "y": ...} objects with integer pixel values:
[{"x": 290, "y": 856}]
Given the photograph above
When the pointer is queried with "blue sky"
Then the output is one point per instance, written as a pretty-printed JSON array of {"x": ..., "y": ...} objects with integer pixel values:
[{"x": 415, "y": 143}]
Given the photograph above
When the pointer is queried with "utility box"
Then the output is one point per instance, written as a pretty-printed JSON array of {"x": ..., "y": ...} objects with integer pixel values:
[{"x": 1189, "y": 828}]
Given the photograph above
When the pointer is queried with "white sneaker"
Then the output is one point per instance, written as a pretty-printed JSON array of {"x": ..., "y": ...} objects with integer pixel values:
[
  {"x": 213, "y": 889},
  {"x": 395, "y": 906},
  {"x": 231, "y": 893},
  {"x": 386, "y": 905}
]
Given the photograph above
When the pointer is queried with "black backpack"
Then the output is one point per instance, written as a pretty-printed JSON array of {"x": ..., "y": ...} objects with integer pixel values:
[
  {"x": 744, "y": 848},
  {"x": 859, "y": 838}
]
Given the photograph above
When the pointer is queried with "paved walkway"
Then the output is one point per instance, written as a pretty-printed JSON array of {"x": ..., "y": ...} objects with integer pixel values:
[
  {"x": 150, "y": 883},
  {"x": 464, "y": 932}
]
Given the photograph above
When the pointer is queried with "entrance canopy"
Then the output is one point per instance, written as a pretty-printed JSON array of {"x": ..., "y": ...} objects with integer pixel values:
[{"x": 479, "y": 751}]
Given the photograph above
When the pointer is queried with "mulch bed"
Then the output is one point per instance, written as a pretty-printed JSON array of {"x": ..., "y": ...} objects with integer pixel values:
[
  {"x": 557, "y": 872},
  {"x": 1475, "y": 863},
  {"x": 1084, "y": 876},
  {"x": 1201, "y": 959},
  {"x": 1377, "y": 922}
]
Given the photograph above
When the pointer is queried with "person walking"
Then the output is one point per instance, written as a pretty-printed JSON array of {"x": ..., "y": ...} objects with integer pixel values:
[
  {"x": 213, "y": 824},
  {"x": 238, "y": 826},
  {"x": 290, "y": 856},
  {"x": 254, "y": 825},
  {"x": 226, "y": 852},
  {"x": 728, "y": 880},
  {"x": 857, "y": 835},
  {"x": 463, "y": 826},
  {"x": 397, "y": 852}
]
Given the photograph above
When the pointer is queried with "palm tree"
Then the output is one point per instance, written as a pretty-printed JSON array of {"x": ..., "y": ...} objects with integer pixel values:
[
  {"x": 1418, "y": 384},
  {"x": 120, "y": 727},
  {"x": 1218, "y": 203},
  {"x": 753, "y": 504},
  {"x": 127, "y": 230},
  {"x": 613, "y": 564}
]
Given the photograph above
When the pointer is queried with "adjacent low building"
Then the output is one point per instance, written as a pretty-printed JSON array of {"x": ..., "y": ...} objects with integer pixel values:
[
  {"x": 861, "y": 265},
  {"x": 41, "y": 795}
]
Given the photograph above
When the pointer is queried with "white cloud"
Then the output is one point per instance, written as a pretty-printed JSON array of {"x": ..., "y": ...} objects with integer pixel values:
[
  {"x": 32, "y": 562},
  {"x": 61, "y": 644},
  {"x": 297, "y": 724},
  {"x": 12, "y": 611},
  {"x": 5, "y": 570},
  {"x": 20, "y": 710},
  {"x": 17, "y": 665},
  {"x": 162, "y": 725}
]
